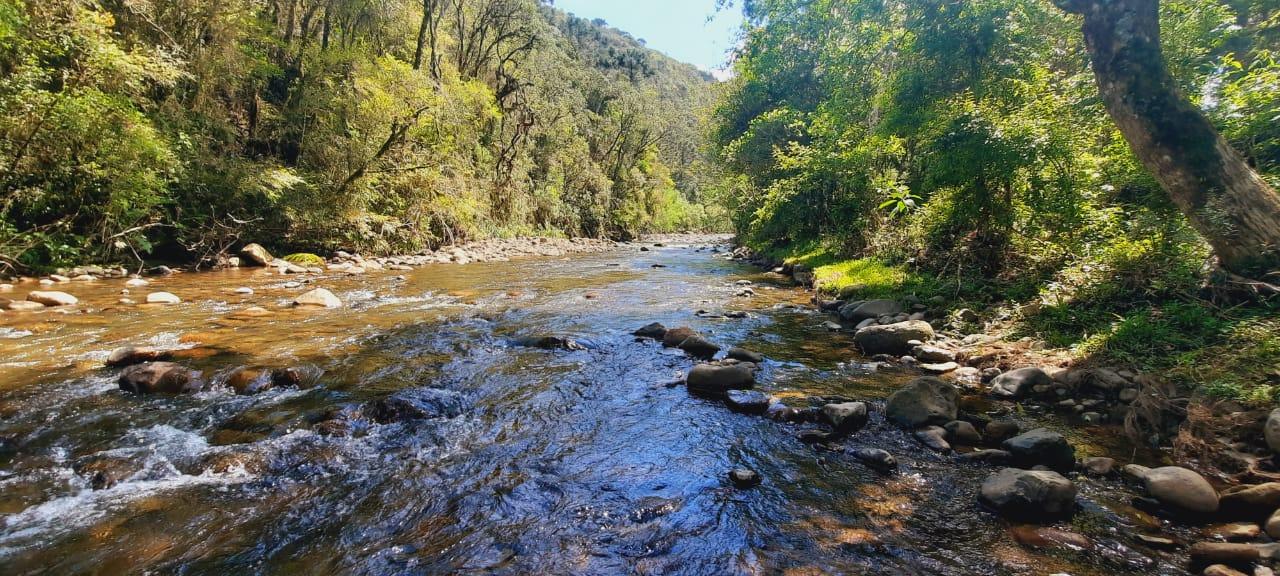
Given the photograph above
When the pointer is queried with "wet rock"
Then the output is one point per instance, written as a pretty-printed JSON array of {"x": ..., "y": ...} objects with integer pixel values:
[
  {"x": 933, "y": 437},
  {"x": 745, "y": 355},
  {"x": 318, "y": 298},
  {"x": 1181, "y": 490},
  {"x": 859, "y": 311},
  {"x": 1017, "y": 383},
  {"x": 1046, "y": 538},
  {"x": 130, "y": 355},
  {"x": 892, "y": 338},
  {"x": 924, "y": 401},
  {"x": 549, "y": 343},
  {"x": 699, "y": 348},
  {"x": 747, "y": 401},
  {"x": 813, "y": 436},
  {"x": 743, "y": 478},
  {"x": 104, "y": 471},
  {"x": 1158, "y": 542},
  {"x": 676, "y": 336},
  {"x": 1098, "y": 466},
  {"x": 962, "y": 432},
  {"x": 717, "y": 379},
  {"x": 845, "y": 418},
  {"x": 234, "y": 463},
  {"x": 20, "y": 305},
  {"x": 993, "y": 457},
  {"x": 162, "y": 298},
  {"x": 1250, "y": 502},
  {"x": 247, "y": 381},
  {"x": 1222, "y": 570},
  {"x": 1001, "y": 430},
  {"x": 1208, "y": 553},
  {"x": 877, "y": 459},
  {"x": 1041, "y": 447},
  {"x": 654, "y": 331},
  {"x": 1239, "y": 532},
  {"x": 415, "y": 404},
  {"x": 832, "y": 326},
  {"x": 255, "y": 255},
  {"x": 52, "y": 298},
  {"x": 159, "y": 378},
  {"x": 1031, "y": 495}
]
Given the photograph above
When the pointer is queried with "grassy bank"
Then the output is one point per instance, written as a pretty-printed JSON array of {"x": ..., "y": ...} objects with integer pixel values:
[{"x": 1095, "y": 314}]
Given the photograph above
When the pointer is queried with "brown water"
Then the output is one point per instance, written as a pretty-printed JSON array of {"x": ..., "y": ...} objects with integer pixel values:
[{"x": 561, "y": 462}]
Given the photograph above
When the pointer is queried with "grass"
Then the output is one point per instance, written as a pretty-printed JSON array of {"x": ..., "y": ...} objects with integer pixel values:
[{"x": 861, "y": 278}]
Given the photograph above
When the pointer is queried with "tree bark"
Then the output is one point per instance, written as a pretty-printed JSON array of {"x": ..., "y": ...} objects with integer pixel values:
[{"x": 1225, "y": 200}]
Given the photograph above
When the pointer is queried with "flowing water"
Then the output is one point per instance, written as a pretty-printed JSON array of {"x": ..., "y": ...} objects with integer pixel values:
[{"x": 561, "y": 462}]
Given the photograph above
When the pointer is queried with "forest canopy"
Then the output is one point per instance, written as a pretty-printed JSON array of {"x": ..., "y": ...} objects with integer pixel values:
[{"x": 179, "y": 128}]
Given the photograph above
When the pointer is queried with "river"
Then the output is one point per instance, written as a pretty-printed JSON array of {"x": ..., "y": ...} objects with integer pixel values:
[{"x": 560, "y": 462}]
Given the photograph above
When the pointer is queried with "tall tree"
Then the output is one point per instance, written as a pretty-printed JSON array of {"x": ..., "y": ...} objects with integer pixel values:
[{"x": 1225, "y": 199}]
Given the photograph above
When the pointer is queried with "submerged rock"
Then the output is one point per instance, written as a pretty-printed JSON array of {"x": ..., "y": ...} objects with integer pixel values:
[
  {"x": 717, "y": 379},
  {"x": 926, "y": 400},
  {"x": 160, "y": 378},
  {"x": 1030, "y": 495},
  {"x": 549, "y": 343},
  {"x": 415, "y": 404},
  {"x": 893, "y": 338}
]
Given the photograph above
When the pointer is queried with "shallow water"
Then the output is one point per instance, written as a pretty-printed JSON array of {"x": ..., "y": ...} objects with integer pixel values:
[{"x": 582, "y": 462}]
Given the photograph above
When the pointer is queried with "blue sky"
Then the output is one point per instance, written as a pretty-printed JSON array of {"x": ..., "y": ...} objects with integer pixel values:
[{"x": 678, "y": 28}]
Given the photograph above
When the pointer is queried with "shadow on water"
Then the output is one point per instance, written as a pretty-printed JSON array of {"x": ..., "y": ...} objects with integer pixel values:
[{"x": 562, "y": 462}]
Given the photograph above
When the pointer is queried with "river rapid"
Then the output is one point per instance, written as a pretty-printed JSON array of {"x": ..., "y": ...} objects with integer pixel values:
[{"x": 584, "y": 461}]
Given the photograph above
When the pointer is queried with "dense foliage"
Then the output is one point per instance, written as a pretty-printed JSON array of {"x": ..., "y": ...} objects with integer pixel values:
[
  {"x": 180, "y": 127},
  {"x": 964, "y": 146}
]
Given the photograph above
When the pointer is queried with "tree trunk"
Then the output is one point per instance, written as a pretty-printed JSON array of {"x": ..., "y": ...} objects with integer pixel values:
[{"x": 1225, "y": 200}]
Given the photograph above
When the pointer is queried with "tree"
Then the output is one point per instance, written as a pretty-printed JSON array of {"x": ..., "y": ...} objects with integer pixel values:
[{"x": 1221, "y": 195}]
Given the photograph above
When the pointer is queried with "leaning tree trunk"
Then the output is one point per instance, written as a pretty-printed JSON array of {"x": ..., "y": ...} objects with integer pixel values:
[{"x": 1225, "y": 200}]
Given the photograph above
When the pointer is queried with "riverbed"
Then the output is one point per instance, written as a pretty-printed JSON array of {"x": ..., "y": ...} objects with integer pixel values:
[{"x": 585, "y": 461}]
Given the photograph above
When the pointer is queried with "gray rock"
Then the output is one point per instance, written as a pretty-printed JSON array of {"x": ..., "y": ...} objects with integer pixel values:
[
  {"x": 1134, "y": 473},
  {"x": 1016, "y": 383},
  {"x": 130, "y": 355},
  {"x": 743, "y": 478},
  {"x": 745, "y": 355},
  {"x": 1271, "y": 431},
  {"x": 1028, "y": 495},
  {"x": 675, "y": 336},
  {"x": 934, "y": 437},
  {"x": 892, "y": 338},
  {"x": 941, "y": 368},
  {"x": 1181, "y": 489},
  {"x": 962, "y": 432},
  {"x": 699, "y": 348},
  {"x": 318, "y": 298},
  {"x": 256, "y": 255},
  {"x": 859, "y": 311},
  {"x": 845, "y": 418},
  {"x": 924, "y": 401},
  {"x": 1001, "y": 430},
  {"x": 747, "y": 401},
  {"x": 994, "y": 457},
  {"x": 654, "y": 331},
  {"x": 416, "y": 404},
  {"x": 716, "y": 380},
  {"x": 932, "y": 354},
  {"x": 1041, "y": 447},
  {"x": 1098, "y": 466},
  {"x": 876, "y": 458},
  {"x": 52, "y": 298}
]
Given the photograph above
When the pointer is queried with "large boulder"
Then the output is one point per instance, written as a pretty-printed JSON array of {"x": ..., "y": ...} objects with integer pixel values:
[
  {"x": 1041, "y": 447},
  {"x": 924, "y": 401},
  {"x": 256, "y": 255},
  {"x": 895, "y": 338},
  {"x": 1017, "y": 383},
  {"x": 160, "y": 378},
  {"x": 717, "y": 379},
  {"x": 52, "y": 298},
  {"x": 845, "y": 418},
  {"x": 1028, "y": 495},
  {"x": 1271, "y": 431},
  {"x": 318, "y": 298},
  {"x": 1181, "y": 490},
  {"x": 415, "y": 404},
  {"x": 859, "y": 311}
]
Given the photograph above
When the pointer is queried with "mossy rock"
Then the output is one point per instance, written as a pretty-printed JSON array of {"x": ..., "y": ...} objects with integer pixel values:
[{"x": 304, "y": 259}]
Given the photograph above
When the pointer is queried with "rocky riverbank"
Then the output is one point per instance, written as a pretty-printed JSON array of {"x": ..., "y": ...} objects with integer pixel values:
[{"x": 1237, "y": 514}]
